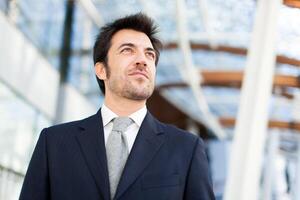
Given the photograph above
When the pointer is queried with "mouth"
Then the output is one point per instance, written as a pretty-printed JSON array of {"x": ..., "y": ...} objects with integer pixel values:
[{"x": 141, "y": 74}]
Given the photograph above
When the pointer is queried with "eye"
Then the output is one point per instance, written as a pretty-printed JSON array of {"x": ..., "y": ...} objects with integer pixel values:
[
  {"x": 151, "y": 54},
  {"x": 127, "y": 50}
]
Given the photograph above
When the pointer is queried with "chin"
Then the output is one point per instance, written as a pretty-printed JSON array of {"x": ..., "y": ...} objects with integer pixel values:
[
  {"x": 139, "y": 98},
  {"x": 139, "y": 95},
  {"x": 138, "y": 91}
]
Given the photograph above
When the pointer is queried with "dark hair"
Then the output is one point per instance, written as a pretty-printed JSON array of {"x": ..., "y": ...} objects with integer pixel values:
[{"x": 138, "y": 22}]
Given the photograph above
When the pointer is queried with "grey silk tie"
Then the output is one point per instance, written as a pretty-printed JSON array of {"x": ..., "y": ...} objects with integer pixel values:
[{"x": 117, "y": 152}]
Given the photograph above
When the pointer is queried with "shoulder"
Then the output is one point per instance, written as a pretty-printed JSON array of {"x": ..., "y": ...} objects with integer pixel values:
[
  {"x": 182, "y": 136},
  {"x": 61, "y": 128},
  {"x": 68, "y": 127}
]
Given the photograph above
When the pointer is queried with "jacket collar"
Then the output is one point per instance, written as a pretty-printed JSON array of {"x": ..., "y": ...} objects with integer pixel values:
[
  {"x": 148, "y": 141},
  {"x": 91, "y": 141}
]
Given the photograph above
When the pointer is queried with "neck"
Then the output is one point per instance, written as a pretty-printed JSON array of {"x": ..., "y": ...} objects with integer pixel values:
[{"x": 123, "y": 107}]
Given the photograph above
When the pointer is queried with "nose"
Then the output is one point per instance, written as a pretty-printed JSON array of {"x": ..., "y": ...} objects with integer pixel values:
[{"x": 141, "y": 60}]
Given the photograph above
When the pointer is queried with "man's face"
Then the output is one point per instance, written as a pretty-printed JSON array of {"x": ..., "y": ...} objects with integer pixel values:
[{"x": 131, "y": 66}]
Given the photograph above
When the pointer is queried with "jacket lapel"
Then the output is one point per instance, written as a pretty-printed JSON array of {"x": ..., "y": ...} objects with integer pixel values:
[
  {"x": 91, "y": 141},
  {"x": 149, "y": 139}
]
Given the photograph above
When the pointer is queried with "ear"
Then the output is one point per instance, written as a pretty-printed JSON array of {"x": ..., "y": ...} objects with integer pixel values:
[{"x": 100, "y": 71}]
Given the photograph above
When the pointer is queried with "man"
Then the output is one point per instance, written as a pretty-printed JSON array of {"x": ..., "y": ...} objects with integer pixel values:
[{"x": 145, "y": 159}]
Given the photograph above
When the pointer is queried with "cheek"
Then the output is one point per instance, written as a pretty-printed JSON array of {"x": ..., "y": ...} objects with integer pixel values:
[
  {"x": 122, "y": 65},
  {"x": 153, "y": 71}
]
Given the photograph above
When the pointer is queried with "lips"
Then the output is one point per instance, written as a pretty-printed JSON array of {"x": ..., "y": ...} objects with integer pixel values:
[{"x": 138, "y": 73}]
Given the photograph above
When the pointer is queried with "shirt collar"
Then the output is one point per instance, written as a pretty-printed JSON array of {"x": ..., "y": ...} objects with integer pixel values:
[
  {"x": 139, "y": 115},
  {"x": 108, "y": 115}
]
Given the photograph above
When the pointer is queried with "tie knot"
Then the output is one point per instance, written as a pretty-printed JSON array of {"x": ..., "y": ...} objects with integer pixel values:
[{"x": 121, "y": 123}]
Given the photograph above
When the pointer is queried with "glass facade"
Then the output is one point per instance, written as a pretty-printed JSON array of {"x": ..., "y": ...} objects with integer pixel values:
[{"x": 221, "y": 34}]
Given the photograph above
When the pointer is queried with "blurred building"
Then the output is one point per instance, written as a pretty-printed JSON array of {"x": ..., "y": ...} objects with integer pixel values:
[{"x": 229, "y": 72}]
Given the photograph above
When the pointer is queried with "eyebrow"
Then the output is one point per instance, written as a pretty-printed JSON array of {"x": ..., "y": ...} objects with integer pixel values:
[
  {"x": 132, "y": 45},
  {"x": 126, "y": 44},
  {"x": 150, "y": 49}
]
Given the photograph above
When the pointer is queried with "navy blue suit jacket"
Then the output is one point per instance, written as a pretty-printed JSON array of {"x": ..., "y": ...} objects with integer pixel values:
[{"x": 69, "y": 163}]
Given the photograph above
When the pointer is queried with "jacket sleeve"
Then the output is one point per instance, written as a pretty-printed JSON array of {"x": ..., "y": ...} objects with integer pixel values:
[
  {"x": 198, "y": 183},
  {"x": 36, "y": 182}
]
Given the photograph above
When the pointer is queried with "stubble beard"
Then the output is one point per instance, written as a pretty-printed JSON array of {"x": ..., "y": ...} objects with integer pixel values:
[
  {"x": 141, "y": 90},
  {"x": 132, "y": 91},
  {"x": 138, "y": 92}
]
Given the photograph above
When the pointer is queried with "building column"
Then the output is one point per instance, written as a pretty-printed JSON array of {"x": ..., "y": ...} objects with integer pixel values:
[
  {"x": 245, "y": 163},
  {"x": 192, "y": 127},
  {"x": 295, "y": 188},
  {"x": 269, "y": 174},
  {"x": 65, "y": 57}
]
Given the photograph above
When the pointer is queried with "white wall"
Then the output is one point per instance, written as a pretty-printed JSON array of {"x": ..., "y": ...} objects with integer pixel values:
[{"x": 24, "y": 70}]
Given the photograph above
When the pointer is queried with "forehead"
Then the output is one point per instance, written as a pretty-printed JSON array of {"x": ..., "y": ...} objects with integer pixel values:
[{"x": 137, "y": 38}]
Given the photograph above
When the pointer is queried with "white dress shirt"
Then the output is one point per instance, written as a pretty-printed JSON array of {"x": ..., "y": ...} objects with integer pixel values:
[{"x": 131, "y": 132}]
